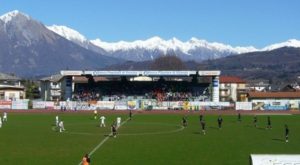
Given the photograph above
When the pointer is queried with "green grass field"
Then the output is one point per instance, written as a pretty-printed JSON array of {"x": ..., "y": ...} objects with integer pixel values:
[{"x": 147, "y": 139}]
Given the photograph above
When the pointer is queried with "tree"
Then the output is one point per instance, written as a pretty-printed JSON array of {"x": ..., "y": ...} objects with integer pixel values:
[
  {"x": 169, "y": 62},
  {"x": 32, "y": 89}
]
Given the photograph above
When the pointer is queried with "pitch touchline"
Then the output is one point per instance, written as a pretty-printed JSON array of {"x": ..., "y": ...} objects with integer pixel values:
[{"x": 103, "y": 141}]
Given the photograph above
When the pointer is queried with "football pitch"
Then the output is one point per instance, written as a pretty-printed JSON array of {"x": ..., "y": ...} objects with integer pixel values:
[{"x": 146, "y": 139}]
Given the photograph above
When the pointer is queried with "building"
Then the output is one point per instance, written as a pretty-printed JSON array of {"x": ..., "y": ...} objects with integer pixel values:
[
  {"x": 274, "y": 100},
  {"x": 71, "y": 84},
  {"x": 259, "y": 85},
  {"x": 11, "y": 88},
  {"x": 51, "y": 88},
  {"x": 232, "y": 89}
]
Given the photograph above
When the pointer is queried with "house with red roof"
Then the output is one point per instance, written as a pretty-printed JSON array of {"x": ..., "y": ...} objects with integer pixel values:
[{"x": 232, "y": 88}]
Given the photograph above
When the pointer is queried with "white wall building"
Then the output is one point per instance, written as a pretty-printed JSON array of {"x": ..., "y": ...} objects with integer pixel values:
[
  {"x": 232, "y": 89},
  {"x": 51, "y": 88},
  {"x": 11, "y": 88}
]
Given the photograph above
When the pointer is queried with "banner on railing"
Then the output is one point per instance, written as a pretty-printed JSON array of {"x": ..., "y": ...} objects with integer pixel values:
[
  {"x": 243, "y": 106},
  {"x": 132, "y": 105},
  {"x": 20, "y": 104},
  {"x": 105, "y": 105},
  {"x": 5, "y": 104},
  {"x": 121, "y": 105}
]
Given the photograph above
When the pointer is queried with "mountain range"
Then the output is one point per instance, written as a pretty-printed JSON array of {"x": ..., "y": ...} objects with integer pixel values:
[
  {"x": 279, "y": 66},
  {"x": 139, "y": 50},
  {"x": 30, "y": 48}
]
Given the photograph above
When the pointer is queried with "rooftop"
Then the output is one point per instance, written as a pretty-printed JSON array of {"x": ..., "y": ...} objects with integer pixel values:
[
  {"x": 231, "y": 79},
  {"x": 8, "y": 77},
  {"x": 274, "y": 95},
  {"x": 53, "y": 78}
]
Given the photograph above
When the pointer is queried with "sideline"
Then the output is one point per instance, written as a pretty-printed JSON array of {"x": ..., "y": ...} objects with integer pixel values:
[{"x": 273, "y": 114}]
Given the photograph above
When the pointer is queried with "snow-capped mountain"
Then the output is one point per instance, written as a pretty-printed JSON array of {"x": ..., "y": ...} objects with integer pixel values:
[
  {"x": 152, "y": 43},
  {"x": 172, "y": 44},
  {"x": 28, "y": 48},
  {"x": 141, "y": 50},
  {"x": 194, "y": 49},
  {"x": 289, "y": 43},
  {"x": 74, "y": 36},
  {"x": 68, "y": 33},
  {"x": 10, "y": 15}
]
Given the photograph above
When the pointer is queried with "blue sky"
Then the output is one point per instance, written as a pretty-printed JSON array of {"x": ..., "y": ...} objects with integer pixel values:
[{"x": 235, "y": 22}]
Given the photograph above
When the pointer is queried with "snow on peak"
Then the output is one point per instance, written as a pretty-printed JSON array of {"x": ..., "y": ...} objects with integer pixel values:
[
  {"x": 289, "y": 43},
  {"x": 171, "y": 44},
  {"x": 10, "y": 15},
  {"x": 220, "y": 46},
  {"x": 68, "y": 33},
  {"x": 155, "y": 39}
]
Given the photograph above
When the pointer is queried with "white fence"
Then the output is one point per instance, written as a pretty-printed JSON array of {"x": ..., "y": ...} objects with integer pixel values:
[
  {"x": 148, "y": 104},
  {"x": 243, "y": 106}
]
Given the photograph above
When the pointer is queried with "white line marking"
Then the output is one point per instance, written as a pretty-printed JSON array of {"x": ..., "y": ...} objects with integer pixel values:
[
  {"x": 272, "y": 114},
  {"x": 103, "y": 141}
]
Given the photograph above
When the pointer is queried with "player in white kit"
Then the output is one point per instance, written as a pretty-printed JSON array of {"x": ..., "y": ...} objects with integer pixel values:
[
  {"x": 118, "y": 122},
  {"x": 56, "y": 120},
  {"x": 61, "y": 126},
  {"x": 95, "y": 114},
  {"x": 4, "y": 116},
  {"x": 102, "y": 121},
  {"x": 0, "y": 122}
]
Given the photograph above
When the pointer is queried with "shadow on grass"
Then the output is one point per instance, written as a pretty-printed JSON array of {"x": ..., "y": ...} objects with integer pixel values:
[
  {"x": 235, "y": 122},
  {"x": 214, "y": 127},
  {"x": 261, "y": 128},
  {"x": 249, "y": 126},
  {"x": 196, "y": 132},
  {"x": 277, "y": 139}
]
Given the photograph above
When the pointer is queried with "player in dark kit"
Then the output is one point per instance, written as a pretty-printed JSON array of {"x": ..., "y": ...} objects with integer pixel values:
[
  {"x": 203, "y": 127},
  {"x": 286, "y": 133},
  {"x": 201, "y": 117},
  {"x": 184, "y": 121},
  {"x": 220, "y": 121},
  {"x": 269, "y": 126},
  {"x": 114, "y": 130},
  {"x": 239, "y": 117},
  {"x": 255, "y": 121},
  {"x": 130, "y": 115}
]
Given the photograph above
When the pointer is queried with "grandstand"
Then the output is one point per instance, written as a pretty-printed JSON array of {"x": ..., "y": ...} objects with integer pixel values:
[{"x": 126, "y": 85}]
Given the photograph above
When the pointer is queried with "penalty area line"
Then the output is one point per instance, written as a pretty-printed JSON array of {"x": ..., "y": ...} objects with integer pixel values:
[{"x": 104, "y": 140}]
